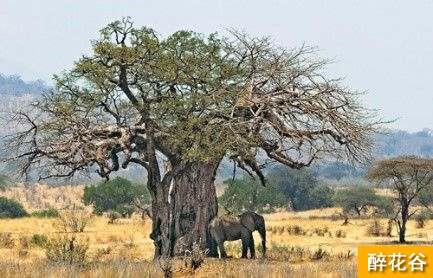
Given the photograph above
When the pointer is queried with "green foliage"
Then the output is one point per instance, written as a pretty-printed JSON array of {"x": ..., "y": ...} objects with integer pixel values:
[
  {"x": 46, "y": 213},
  {"x": 10, "y": 208},
  {"x": 39, "y": 240},
  {"x": 359, "y": 199},
  {"x": 321, "y": 197},
  {"x": 249, "y": 194},
  {"x": 301, "y": 188},
  {"x": 425, "y": 196},
  {"x": 117, "y": 194}
]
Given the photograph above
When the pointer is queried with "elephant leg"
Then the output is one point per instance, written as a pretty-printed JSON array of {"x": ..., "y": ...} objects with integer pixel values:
[
  {"x": 246, "y": 239},
  {"x": 223, "y": 253},
  {"x": 252, "y": 248}
]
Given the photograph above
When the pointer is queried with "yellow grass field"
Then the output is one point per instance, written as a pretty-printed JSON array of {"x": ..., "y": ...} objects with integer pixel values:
[{"x": 303, "y": 244}]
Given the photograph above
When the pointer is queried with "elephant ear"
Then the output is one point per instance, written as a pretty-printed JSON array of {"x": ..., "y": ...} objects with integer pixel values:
[{"x": 247, "y": 221}]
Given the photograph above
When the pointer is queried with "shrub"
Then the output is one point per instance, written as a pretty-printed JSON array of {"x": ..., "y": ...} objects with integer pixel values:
[
  {"x": 6, "y": 240},
  {"x": 375, "y": 228},
  {"x": 286, "y": 253},
  {"x": 118, "y": 194},
  {"x": 75, "y": 220},
  {"x": 321, "y": 231},
  {"x": 25, "y": 241},
  {"x": 295, "y": 230},
  {"x": 46, "y": 213},
  {"x": 9, "y": 208},
  {"x": 113, "y": 216},
  {"x": 319, "y": 254},
  {"x": 194, "y": 258},
  {"x": 421, "y": 219},
  {"x": 340, "y": 234},
  {"x": 39, "y": 240},
  {"x": 67, "y": 250}
]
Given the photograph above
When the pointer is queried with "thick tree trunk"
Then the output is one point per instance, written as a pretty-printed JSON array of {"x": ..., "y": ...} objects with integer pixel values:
[{"x": 183, "y": 208}]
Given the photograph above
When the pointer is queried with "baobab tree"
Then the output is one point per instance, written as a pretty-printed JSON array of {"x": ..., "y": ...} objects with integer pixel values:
[{"x": 178, "y": 105}]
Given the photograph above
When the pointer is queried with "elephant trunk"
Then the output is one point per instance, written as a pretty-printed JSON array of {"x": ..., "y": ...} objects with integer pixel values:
[{"x": 262, "y": 232}]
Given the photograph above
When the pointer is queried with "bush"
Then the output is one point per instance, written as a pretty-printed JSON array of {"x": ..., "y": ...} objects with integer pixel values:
[
  {"x": 10, "y": 208},
  {"x": 421, "y": 219},
  {"x": 118, "y": 195},
  {"x": 340, "y": 234},
  {"x": 319, "y": 254},
  {"x": 75, "y": 220},
  {"x": 6, "y": 240},
  {"x": 286, "y": 253},
  {"x": 46, "y": 213},
  {"x": 39, "y": 240},
  {"x": 67, "y": 250},
  {"x": 375, "y": 228},
  {"x": 194, "y": 258}
]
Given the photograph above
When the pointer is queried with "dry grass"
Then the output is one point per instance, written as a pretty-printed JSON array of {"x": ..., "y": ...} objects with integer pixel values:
[{"x": 303, "y": 244}]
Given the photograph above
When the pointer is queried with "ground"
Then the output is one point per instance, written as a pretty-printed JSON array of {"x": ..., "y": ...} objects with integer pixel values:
[{"x": 303, "y": 244}]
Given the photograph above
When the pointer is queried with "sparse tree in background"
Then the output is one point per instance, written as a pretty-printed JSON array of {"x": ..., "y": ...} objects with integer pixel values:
[
  {"x": 358, "y": 199},
  {"x": 118, "y": 194},
  {"x": 409, "y": 177},
  {"x": 177, "y": 106},
  {"x": 301, "y": 188},
  {"x": 248, "y": 194}
]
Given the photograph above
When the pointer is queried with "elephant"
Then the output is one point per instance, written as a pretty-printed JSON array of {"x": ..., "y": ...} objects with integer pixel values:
[{"x": 230, "y": 228}]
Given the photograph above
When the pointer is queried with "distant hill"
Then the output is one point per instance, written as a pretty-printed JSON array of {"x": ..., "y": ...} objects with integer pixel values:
[{"x": 13, "y": 85}]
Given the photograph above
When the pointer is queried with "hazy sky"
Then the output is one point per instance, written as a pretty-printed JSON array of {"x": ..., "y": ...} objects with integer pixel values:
[{"x": 383, "y": 47}]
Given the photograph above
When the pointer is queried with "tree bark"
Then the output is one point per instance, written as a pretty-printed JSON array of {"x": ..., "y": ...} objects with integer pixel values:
[
  {"x": 404, "y": 219},
  {"x": 183, "y": 208}
]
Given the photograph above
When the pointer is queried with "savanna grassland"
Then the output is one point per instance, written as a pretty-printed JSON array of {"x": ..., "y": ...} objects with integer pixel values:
[{"x": 300, "y": 244}]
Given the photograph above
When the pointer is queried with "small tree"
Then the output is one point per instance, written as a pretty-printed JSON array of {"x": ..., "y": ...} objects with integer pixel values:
[
  {"x": 409, "y": 176},
  {"x": 357, "y": 199},
  {"x": 9, "y": 208},
  {"x": 118, "y": 195},
  {"x": 295, "y": 184}
]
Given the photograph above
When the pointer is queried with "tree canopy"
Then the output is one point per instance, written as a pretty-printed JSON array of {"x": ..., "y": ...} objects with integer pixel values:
[
  {"x": 359, "y": 199},
  {"x": 192, "y": 97}
]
